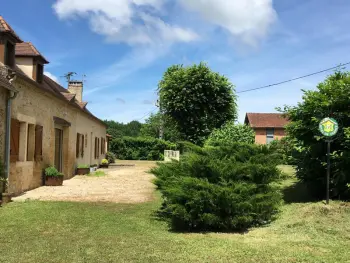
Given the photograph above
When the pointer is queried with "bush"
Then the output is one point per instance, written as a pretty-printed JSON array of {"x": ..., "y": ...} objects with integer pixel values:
[
  {"x": 52, "y": 172},
  {"x": 224, "y": 188},
  {"x": 83, "y": 166},
  {"x": 285, "y": 147},
  {"x": 128, "y": 148},
  {"x": 110, "y": 157},
  {"x": 104, "y": 161},
  {"x": 231, "y": 133}
]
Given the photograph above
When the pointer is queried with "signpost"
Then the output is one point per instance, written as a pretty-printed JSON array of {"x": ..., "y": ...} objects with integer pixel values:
[{"x": 328, "y": 127}]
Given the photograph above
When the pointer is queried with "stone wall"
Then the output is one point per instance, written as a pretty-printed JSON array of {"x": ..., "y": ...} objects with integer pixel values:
[{"x": 34, "y": 106}]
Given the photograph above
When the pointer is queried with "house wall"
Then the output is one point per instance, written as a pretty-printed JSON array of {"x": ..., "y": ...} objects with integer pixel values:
[
  {"x": 37, "y": 107},
  {"x": 3, "y": 96},
  {"x": 26, "y": 65},
  {"x": 90, "y": 129},
  {"x": 260, "y": 135}
]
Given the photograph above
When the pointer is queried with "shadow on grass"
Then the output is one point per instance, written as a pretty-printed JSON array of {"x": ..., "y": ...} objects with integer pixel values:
[{"x": 297, "y": 193}]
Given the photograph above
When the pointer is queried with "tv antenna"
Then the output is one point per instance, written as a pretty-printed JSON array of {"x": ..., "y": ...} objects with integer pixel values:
[{"x": 69, "y": 75}]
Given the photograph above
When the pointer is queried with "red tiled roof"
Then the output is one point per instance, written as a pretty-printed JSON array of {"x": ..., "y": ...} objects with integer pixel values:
[
  {"x": 5, "y": 28},
  {"x": 82, "y": 104},
  {"x": 265, "y": 120},
  {"x": 68, "y": 96},
  {"x": 27, "y": 49}
]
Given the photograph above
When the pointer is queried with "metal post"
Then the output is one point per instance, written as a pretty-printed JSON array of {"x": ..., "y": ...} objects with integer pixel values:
[{"x": 328, "y": 168}]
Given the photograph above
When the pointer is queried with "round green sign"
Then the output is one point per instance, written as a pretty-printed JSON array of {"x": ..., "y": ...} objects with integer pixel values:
[{"x": 329, "y": 127}]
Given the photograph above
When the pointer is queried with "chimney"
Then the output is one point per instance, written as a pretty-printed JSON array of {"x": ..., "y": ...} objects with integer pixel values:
[{"x": 76, "y": 87}]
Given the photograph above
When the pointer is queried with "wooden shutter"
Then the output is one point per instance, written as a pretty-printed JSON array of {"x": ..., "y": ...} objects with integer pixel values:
[
  {"x": 95, "y": 148},
  {"x": 14, "y": 149},
  {"x": 38, "y": 143},
  {"x": 77, "y": 145}
]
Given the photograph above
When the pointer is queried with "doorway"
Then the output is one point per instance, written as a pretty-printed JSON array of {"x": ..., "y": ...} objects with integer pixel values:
[{"x": 58, "y": 149}]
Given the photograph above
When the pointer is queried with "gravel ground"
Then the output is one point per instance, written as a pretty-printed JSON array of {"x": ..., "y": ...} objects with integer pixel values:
[{"x": 128, "y": 184}]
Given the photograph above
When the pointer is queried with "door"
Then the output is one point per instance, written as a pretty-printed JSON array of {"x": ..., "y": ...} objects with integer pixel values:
[{"x": 58, "y": 149}]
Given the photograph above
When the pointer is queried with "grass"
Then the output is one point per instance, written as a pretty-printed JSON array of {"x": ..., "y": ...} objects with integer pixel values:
[
  {"x": 97, "y": 174},
  {"x": 45, "y": 232}
]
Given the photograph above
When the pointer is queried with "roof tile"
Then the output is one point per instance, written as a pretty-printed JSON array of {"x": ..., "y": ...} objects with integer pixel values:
[
  {"x": 6, "y": 28},
  {"x": 266, "y": 120},
  {"x": 27, "y": 49}
]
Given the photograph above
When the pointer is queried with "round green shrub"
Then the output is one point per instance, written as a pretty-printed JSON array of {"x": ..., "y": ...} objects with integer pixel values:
[{"x": 219, "y": 189}]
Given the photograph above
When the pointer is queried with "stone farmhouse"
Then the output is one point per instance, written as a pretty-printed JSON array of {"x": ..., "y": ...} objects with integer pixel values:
[
  {"x": 267, "y": 126},
  {"x": 41, "y": 123}
]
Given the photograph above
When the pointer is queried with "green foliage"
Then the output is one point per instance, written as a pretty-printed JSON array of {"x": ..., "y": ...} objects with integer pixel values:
[
  {"x": 110, "y": 157},
  {"x": 104, "y": 161},
  {"x": 152, "y": 125},
  {"x": 331, "y": 99},
  {"x": 128, "y": 148},
  {"x": 285, "y": 147},
  {"x": 118, "y": 130},
  {"x": 231, "y": 132},
  {"x": 197, "y": 99},
  {"x": 226, "y": 188},
  {"x": 83, "y": 166},
  {"x": 52, "y": 172}
]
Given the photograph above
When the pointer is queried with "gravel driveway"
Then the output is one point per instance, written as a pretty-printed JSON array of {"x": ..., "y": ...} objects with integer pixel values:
[{"x": 127, "y": 184}]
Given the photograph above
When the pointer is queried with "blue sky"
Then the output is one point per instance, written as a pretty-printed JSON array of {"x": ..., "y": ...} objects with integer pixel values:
[{"x": 124, "y": 46}]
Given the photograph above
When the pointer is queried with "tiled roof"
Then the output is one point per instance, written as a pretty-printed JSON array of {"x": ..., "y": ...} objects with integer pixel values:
[
  {"x": 5, "y": 28},
  {"x": 58, "y": 91},
  {"x": 266, "y": 120},
  {"x": 82, "y": 104},
  {"x": 27, "y": 49},
  {"x": 4, "y": 81}
]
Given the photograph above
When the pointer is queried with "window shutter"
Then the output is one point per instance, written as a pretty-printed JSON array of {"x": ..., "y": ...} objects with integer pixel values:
[
  {"x": 95, "y": 147},
  {"x": 38, "y": 143},
  {"x": 14, "y": 149},
  {"x": 77, "y": 145}
]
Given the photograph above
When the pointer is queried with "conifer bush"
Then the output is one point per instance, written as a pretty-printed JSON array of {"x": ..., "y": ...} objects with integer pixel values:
[{"x": 225, "y": 188}]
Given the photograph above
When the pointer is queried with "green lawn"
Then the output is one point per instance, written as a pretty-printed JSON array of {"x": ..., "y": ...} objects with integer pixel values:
[{"x": 43, "y": 232}]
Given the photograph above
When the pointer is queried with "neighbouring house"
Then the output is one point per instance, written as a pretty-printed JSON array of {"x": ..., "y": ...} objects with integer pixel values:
[
  {"x": 267, "y": 126},
  {"x": 41, "y": 122}
]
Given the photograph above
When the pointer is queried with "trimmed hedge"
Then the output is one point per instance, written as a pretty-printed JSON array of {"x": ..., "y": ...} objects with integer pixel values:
[
  {"x": 226, "y": 188},
  {"x": 139, "y": 148}
]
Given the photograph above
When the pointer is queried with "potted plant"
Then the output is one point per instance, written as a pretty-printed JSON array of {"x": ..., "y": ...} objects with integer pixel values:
[
  {"x": 83, "y": 169},
  {"x": 53, "y": 177},
  {"x": 104, "y": 163}
]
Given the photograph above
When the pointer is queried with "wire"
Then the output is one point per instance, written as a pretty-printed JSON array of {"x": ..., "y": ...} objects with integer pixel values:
[
  {"x": 290, "y": 80},
  {"x": 146, "y": 115}
]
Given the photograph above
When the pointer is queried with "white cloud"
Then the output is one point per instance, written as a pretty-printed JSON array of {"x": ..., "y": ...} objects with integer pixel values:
[
  {"x": 51, "y": 76},
  {"x": 125, "y": 20},
  {"x": 247, "y": 20}
]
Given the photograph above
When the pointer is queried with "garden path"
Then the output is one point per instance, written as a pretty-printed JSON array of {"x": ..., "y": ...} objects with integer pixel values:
[{"x": 127, "y": 184}]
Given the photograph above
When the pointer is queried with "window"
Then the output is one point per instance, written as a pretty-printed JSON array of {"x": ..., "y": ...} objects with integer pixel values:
[
  {"x": 14, "y": 148},
  {"x": 102, "y": 146},
  {"x": 39, "y": 73},
  {"x": 82, "y": 146},
  {"x": 30, "y": 142},
  {"x": 269, "y": 135},
  {"x": 77, "y": 146},
  {"x": 86, "y": 139},
  {"x": 96, "y": 149},
  {"x": 38, "y": 152},
  {"x": 10, "y": 54}
]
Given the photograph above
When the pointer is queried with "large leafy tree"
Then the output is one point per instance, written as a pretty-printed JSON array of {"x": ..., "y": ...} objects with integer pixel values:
[
  {"x": 197, "y": 99},
  {"x": 331, "y": 99}
]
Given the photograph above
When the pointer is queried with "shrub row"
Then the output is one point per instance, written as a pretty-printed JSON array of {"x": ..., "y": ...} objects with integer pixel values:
[
  {"x": 225, "y": 188},
  {"x": 139, "y": 148}
]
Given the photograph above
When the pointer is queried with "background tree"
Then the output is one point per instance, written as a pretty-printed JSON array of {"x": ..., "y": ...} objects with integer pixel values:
[
  {"x": 197, "y": 99},
  {"x": 231, "y": 133},
  {"x": 331, "y": 99},
  {"x": 118, "y": 130},
  {"x": 152, "y": 125}
]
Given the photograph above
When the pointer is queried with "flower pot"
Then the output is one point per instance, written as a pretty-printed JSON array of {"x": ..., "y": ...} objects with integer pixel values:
[
  {"x": 83, "y": 171},
  {"x": 104, "y": 165},
  {"x": 53, "y": 180},
  {"x": 6, "y": 198}
]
